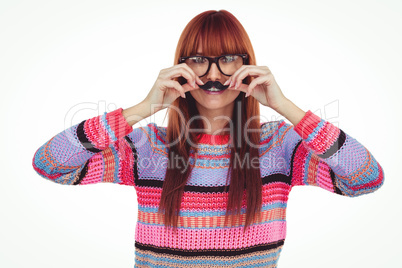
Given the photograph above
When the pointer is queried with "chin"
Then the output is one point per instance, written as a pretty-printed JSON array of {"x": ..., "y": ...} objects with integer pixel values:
[{"x": 213, "y": 102}]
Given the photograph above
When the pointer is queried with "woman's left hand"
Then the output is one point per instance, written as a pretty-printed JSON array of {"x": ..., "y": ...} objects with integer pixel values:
[{"x": 263, "y": 87}]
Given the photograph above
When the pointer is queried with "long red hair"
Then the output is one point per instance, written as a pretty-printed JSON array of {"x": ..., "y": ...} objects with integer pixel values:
[{"x": 218, "y": 32}]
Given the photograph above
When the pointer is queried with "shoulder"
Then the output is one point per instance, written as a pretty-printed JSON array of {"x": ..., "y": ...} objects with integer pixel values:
[
  {"x": 273, "y": 133},
  {"x": 271, "y": 128},
  {"x": 150, "y": 133}
]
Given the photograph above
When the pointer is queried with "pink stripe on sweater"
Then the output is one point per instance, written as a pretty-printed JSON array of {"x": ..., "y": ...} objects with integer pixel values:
[
  {"x": 118, "y": 123},
  {"x": 299, "y": 162},
  {"x": 150, "y": 197},
  {"x": 324, "y": 139},
  {"x": 224, "y": 238},
  {"x": 307, "y": 124},
  {"x": 96, "y": 133},
  {"x": 95, "y": 170},
  {"x": 323, "y": 177}
]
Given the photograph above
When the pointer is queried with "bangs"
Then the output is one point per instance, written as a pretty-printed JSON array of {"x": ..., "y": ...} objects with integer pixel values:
[
  {"x": 218, "y": 36},
  {"x": 218, "y": 33}
]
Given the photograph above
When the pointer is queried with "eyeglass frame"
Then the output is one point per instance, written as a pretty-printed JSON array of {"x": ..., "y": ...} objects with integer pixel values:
[{"x": 214, "y": 60}]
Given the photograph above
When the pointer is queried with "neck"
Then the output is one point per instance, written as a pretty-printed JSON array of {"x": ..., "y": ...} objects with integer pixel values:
[{"x": 215, "y": 119}]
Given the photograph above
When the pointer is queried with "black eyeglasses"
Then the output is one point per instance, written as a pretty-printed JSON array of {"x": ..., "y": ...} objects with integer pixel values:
[{"x": 227, "y": 64}]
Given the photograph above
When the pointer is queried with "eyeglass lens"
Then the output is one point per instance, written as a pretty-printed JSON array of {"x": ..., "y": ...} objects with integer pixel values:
[{"x": 228, "y": 64}]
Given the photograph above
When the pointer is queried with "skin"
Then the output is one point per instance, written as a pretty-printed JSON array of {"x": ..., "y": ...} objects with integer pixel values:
[
  {"x": 265, "y": 90},
  {"x": 217, "y": 109}
]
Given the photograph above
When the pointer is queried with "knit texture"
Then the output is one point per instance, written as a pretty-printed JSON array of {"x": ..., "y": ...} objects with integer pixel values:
[{"x": 107, "y": 149}]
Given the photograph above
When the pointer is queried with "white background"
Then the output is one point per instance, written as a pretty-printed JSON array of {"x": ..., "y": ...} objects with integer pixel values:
[{"x": 60, "y": 59}]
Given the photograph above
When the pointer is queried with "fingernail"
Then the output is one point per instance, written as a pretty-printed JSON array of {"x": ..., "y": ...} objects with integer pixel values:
[
  {"x": 194, "y": 86},
  {"x": 247, "y": 95},
  {"x": 227, "y": 82},
  {"x": 231, "y": 84},
  {"x": 202, "y": 83},
  {"x": 236, "y": 86}
]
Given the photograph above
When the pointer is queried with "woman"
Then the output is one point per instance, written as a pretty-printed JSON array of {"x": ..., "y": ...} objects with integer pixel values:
[{"x": 212, "y": 187}]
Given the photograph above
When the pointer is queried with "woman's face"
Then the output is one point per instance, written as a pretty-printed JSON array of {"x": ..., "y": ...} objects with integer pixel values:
[{"x": 205, "y": 101}]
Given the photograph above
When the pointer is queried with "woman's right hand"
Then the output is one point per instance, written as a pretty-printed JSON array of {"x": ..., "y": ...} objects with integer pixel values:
[{"x": 166, "y": 89}]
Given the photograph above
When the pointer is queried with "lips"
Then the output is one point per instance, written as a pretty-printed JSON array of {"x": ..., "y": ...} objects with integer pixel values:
[{"x": 214, "y": 91}]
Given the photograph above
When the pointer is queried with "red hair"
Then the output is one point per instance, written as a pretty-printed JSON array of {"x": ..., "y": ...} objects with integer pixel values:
[{"x": 219, "y": 32}]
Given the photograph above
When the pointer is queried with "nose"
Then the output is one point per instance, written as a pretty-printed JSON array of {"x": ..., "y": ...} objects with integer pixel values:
[{"x": 214, "y": 73}]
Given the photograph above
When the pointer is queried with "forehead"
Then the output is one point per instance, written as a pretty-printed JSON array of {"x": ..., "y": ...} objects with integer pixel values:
[{"x": 200, "y": 51}]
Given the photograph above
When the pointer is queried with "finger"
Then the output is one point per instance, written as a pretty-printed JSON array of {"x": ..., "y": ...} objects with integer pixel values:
[
  {"x": 196, "y": 77},
  {"x": 242, "y": 87},
  {"x": 232, "y": 79},
  {"x": 235, "y": 77},
  {"x": 248, "y": 71},
  {"x": 187, "y": 87},
  {"x": 255, "y": 72},
  {"x": 184, "y": 73},
  {"x": 176, "y": 85},
  {"x": 257, "y": 81}
]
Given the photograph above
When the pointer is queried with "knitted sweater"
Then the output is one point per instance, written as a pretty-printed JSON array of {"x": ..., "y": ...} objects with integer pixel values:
[{"x": 106, "y": 148}]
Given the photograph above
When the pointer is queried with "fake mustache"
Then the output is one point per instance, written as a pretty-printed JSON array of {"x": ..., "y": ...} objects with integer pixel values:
[{"x": 215, "y": 84}]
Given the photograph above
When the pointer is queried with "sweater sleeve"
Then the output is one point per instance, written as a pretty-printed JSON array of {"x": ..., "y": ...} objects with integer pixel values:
[
  {"x": 100, "y": 149},
  {"x": 321, "y": 154}
]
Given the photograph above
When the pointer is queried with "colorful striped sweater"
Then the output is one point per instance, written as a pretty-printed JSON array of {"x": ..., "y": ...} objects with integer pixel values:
[{"x": 106, "y": 148}]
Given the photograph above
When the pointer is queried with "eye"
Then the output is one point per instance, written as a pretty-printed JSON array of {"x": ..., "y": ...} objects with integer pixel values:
[
  {"x": 229, "y": 58},
  {"x": 198, "y": 59}
]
